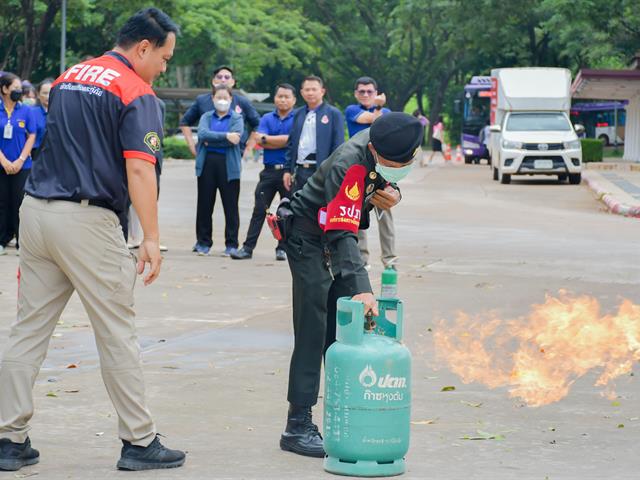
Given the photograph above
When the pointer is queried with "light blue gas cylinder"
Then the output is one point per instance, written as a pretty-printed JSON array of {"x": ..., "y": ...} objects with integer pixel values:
[{"x": 367, "y": 402}]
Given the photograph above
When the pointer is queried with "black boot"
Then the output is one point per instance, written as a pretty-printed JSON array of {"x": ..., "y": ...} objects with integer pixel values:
[
  {"x": 14, "y": 456},
  {"x": 151, "y": 457},
  {"x": 301, "y": 436}
]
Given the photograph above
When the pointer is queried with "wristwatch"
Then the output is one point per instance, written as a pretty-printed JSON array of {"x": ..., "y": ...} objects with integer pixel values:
[{"x": 263, "y": 140}]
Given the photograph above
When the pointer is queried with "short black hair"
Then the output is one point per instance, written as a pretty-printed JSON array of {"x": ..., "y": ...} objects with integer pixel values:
[
  {"x": 365, "y": 81},
  {"x": 286, "y": 86},
  {"x": 44, "y": 82},
  {"x": 6, "y": 79},
  {"x": 224, "y": 87},
  {"x": 148, "y": 24},
  {"x": 313, "y": 78}
]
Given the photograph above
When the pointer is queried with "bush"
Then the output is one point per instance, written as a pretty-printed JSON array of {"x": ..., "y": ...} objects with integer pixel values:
[
  {"x": 592, "y": 150},
  {"x": 176, "y": 148}
]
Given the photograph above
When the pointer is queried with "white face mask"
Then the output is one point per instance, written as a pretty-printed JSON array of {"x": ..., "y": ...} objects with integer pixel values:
[
  {"x": 222, "y": 105},
  {"x": 390, "y": 174}
]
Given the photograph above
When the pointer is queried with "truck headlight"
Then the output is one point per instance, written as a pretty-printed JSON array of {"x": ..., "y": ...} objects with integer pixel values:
[
  {"x": 509, "y": 145},
  {"x": 572, "y": 145}
]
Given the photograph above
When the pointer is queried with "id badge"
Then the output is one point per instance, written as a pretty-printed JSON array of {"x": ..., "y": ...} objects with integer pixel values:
[{"x": 8, "y": 131}]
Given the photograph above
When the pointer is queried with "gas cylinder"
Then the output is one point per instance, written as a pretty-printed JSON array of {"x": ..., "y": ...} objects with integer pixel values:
[{"x": 367, "y": 401}]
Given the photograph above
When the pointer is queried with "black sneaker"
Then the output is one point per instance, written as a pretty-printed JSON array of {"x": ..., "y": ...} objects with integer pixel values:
[
  {"x": 154, "y": 456},
  {"x": 281, "y": 255},
  {"x": 14, "y": 456},
  {"x": 301, "y": 435},
  {"x": 241, "y": 254}
]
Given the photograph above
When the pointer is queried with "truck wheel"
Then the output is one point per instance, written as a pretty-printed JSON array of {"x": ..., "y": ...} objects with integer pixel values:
[
  {"x": 505, "y": 179},
  {"x": 562, "y": 177},
  {"x": 604, "y": 139},
  {"x": 575, "y": 178},
  {"x": 495, "y": 173}
]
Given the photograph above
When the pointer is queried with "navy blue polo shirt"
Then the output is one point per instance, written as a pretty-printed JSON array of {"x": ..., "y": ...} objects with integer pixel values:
[
  {"x": 272, "y": 124},
  {"x": 23, "y": 125},
  {"x": 100, "y": 114},
  {"x": 352, "y": 112},
  {"x": 219, "y": 124},
  {"x": 40, "y": 119}
]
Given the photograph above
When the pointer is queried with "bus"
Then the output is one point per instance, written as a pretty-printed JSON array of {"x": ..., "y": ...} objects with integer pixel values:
[
  {"x": 475, "y": 117},
  {"x": 599, "y": 120}
]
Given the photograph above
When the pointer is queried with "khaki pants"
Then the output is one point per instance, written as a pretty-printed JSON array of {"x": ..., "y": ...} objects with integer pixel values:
[
  {"x": 67, "y": 246},
  {"x": 387, "y": 233}
]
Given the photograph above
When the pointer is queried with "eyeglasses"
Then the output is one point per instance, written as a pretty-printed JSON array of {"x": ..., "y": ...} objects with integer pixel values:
[
  {"x": 366, "y": 92},
  {"x": 223, "y": 76}
]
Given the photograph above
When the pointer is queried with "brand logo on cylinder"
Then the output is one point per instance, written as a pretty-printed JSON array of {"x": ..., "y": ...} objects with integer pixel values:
[{"x": 368, "y": 378}]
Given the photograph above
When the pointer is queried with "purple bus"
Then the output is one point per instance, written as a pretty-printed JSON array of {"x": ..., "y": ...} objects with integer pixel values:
[
  {"x": 475, "y": 117},
  {"x": 602, "y": 120}
]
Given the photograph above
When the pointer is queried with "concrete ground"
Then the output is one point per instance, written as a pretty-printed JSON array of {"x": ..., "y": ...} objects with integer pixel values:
[{"x": 216, "y": 337}]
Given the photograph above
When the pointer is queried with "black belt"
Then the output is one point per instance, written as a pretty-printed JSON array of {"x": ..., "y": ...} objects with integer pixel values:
[
  {"x": 278, "y": 166},
  {"x": 93, "y": 203},
  {"x": 307, "y": 225}
]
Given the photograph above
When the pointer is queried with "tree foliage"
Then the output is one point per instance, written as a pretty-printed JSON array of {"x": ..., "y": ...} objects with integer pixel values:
[{"x": 427, "y": 48}]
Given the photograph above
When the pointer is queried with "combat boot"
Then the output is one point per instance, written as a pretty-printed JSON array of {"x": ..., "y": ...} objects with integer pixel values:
[
  {"x": 301, "y": 435},
  {"x": 14, "y": 456}
]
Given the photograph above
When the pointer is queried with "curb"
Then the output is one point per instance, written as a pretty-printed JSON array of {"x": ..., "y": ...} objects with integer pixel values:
[{"x": 610, "y": 201}]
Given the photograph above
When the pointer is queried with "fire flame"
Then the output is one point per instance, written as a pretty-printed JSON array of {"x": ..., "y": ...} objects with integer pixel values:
[{"x": 539, "y": 357}]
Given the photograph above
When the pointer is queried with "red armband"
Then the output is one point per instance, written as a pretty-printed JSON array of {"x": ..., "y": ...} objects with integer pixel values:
[{"x": 345, "y": 210}]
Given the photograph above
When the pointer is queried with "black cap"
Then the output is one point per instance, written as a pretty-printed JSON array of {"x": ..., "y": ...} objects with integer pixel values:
[
  {"x": 397, "y": 136},
  {"x": 222, "y": 67}
]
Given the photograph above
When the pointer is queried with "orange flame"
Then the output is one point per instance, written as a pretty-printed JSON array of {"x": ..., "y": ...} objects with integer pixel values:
[{"x": 539, "y": 357}]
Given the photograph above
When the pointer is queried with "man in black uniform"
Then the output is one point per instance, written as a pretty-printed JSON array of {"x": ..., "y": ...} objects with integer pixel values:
[{"x": 323, "y": 254}]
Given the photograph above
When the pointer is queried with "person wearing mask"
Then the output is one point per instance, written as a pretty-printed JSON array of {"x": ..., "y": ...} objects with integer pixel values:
[
  {"x": 359, "y": 117},
  {"x": 272, "y": 134},
  {"x": 325, "y": 263},
  {"x": 222, "y": 75},
  {"x": 39, "y": 112},
  {"x": 318, "y": 129},
  {"x": 29, "y": 94},
  {"x": 18, "y": 136},
  {"x": 218, "y": 167},
  {"x": 102, "y": 141}
]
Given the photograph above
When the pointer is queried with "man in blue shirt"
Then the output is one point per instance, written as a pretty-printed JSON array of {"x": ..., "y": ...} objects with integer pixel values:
[
  {"x": 222, "y": 75},
  {"x": 359, "y": 117},
  {"x": 272, "y": 134}
]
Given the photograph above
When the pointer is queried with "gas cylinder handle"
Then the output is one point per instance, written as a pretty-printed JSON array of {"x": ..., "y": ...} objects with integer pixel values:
[{"x": 349, "y": 321}]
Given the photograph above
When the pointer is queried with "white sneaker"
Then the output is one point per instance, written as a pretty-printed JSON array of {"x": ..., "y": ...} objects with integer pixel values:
[
  {"x": 163, "y": 248},
  {"x": 3, "y": 251}
]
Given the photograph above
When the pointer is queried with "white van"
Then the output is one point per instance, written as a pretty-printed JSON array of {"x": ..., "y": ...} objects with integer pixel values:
[{"x": 531, "y": 131}]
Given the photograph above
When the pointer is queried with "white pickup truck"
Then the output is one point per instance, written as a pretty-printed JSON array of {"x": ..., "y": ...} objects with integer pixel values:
[{"x": 530, "y": 129}]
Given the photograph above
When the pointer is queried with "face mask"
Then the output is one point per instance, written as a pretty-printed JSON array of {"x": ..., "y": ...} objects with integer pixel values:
[
  {"x": 222, "y": 105},
  {"x": 15, "y": 95},
  {"x": 29, "y": 101},
  {"x": 393, "y": 175}
]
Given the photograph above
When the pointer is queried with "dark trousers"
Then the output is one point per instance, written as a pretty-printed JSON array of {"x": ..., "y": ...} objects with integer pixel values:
[
  {"x": 269, "y": 184},
  {"x": 11, "y": 195},
  {"x": 315, "y": 295},
  {"x": 301, "y": 177},
  {"x": 212, "y": 180}
]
